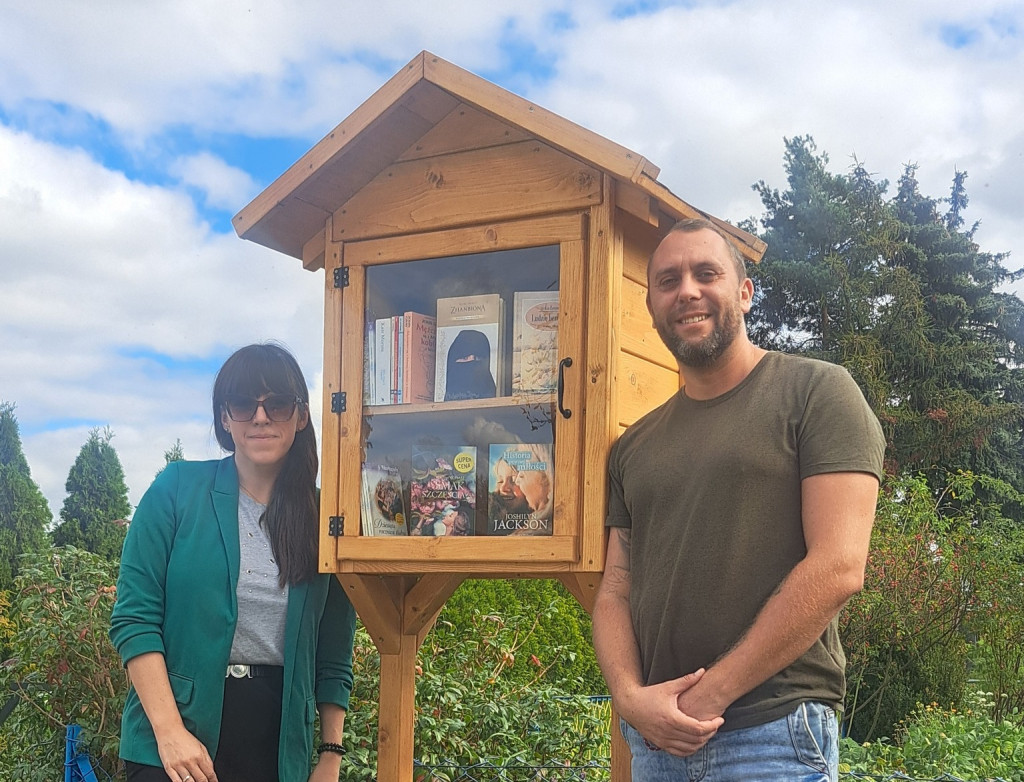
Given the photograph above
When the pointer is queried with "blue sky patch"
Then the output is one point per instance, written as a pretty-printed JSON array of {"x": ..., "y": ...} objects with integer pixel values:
[
  {"x": 70, "y": 127},
  {"x": 30, "y": 428},
  {"x": 957, "y": 36},
  {"x": 204, "y": 366},
  {"x": 631, "y": 8},
  {"x": 522, "y": 62}
]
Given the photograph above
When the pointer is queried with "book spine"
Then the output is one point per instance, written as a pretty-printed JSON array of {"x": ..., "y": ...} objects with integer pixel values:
[
  {"x": 407, "y": 358},
  {"x": 369, "y": 365},
  {"x": 383, "y": 361},
  {"x": 400, "y": 360}
]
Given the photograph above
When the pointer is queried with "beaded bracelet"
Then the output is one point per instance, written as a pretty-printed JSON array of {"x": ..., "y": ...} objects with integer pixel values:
[{"x": 329, "y": 746}]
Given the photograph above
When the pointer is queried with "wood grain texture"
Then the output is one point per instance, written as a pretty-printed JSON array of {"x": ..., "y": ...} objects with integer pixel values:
[
  {"x": 500, "y": 235},
  {"x": 518, "y": 180}
]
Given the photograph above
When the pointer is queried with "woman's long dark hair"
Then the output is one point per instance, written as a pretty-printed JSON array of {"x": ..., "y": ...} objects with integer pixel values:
[{"x": 292, "y": 515}]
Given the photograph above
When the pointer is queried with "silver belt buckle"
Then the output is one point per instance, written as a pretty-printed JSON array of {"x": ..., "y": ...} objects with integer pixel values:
[{"x": 238, "y": 671}]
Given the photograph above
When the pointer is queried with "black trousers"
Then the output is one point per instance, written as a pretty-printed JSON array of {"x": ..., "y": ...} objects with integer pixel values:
[{"x": 250, "y": 729}]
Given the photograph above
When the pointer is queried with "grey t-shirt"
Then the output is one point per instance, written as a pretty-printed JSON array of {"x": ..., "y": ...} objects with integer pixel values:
[
  {"x": 262, "y": 604},
  {"x": 711, "y": 492}
]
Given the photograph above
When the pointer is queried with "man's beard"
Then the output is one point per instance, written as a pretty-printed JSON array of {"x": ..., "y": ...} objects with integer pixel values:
[{"x": 707, "y": 351}]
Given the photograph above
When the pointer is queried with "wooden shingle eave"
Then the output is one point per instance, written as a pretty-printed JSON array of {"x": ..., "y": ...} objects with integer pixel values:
[
  {"x": 751, "y": 247},
  {"x": 276, "y": 218}
]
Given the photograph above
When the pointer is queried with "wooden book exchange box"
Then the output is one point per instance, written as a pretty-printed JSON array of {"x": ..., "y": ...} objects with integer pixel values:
[{"x": 485, "y": 341}]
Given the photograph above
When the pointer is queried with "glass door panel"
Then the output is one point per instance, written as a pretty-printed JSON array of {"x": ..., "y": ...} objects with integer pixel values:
[{"x": 460, "y": 379}]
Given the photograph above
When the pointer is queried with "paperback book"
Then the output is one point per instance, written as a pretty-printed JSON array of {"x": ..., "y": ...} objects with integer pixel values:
[
  {"x": 534, "y": 342},
  {"x": 469, "y": 344},
  {"x": 382, "y": 361},
  {"x": 369, "y": 363},
  {"x": 382, "y": 503},
  {"x": 397, "y": 352},
  {"x": 520, "y": 489},
  {"x": 442, "y": 491},
  {"x": 419, "y": 357}
]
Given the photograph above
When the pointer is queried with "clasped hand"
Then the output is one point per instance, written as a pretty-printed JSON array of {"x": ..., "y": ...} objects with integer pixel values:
[{"x": 657, "y": 712}]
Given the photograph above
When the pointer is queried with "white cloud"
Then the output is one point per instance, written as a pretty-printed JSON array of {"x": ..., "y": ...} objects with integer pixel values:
[
  {"x": 223, "y": 186},
  {"x": 106, "y": 280},
  {"x": 260, "y": 67},
  {"x": 104, "y": 276}
]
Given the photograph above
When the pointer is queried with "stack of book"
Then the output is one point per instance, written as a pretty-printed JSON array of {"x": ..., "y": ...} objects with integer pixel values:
[
  {"x": 460, "y": 353},
  {"x": 399, "y": 353},
  {"x": 442, "y": 492}
]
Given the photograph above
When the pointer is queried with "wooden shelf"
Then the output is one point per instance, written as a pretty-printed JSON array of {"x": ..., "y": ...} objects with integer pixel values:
[
  {"x": 518, "y": 400},
  {"x": 478, "y": 553}
]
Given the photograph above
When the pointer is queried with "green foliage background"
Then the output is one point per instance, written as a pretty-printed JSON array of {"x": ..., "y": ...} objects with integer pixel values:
[
  {"x": 95, "y": 509},
  {"x": 62, "y": 659},
  {"x": 561, "y": 642},
  {"x": 24, "y": 514}
]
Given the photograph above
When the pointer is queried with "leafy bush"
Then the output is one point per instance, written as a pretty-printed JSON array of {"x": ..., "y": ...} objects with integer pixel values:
[
  {"x": 566, "y": 627},
  {"x": 943, "y": 570},
  {"x": 470, "y": 708},
  {"x": 933, "y": 742},
  {"x": 63, "y": 660}
]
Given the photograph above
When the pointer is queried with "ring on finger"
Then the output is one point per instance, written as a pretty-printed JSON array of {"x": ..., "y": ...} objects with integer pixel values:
[{"x": 186, "y": 778}]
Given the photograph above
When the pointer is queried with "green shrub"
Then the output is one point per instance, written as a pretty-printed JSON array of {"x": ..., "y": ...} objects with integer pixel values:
[
  {"x": 473, "y": 706},
  {"x": 565, "y": 626},
  {"x": 65, "y": 663},
  {"x": 944, "y": 568},
  {"x": 964, "y": 743}
]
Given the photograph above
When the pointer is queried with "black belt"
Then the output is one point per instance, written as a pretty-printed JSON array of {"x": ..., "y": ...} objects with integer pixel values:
[{"x": 243, "y": 671}]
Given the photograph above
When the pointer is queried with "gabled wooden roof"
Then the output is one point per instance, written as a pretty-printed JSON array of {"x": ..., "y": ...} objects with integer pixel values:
[{"x": 396, "y": 123}]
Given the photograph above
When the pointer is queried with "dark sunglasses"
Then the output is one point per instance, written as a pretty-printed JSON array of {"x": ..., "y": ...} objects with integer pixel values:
[{"x": 278, "y": 407}]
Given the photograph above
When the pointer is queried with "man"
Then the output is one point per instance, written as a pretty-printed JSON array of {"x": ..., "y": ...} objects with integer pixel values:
[{"x": 740, "y": 514}]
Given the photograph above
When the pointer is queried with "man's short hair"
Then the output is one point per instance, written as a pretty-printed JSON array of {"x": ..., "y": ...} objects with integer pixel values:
[{"x": 689, "y": 225}]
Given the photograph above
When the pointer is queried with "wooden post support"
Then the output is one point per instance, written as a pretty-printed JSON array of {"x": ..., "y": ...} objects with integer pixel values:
[
  {"x": 621, "y": 756},
  {"x": 398, "y": 611}
]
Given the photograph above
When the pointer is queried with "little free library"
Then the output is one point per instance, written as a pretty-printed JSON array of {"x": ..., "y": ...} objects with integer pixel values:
[{"x": 486, "y": 339}]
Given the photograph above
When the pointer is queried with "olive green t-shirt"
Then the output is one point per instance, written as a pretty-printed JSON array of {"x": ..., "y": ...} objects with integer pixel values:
[{"x": 711, "y": 492}]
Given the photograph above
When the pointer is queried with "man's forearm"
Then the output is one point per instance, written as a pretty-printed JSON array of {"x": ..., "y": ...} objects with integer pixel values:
[
  {"x": 615, "y": 645},
  {"x": 786, "y": 627}
]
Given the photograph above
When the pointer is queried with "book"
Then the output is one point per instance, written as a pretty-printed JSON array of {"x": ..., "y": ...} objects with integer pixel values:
[
  {"x": 419, "y": 357},
  {"x": 520, "y": 489},
  {"x": 468, "y": 347},
  {"x": 397, "y": 347},
  {"x": 382, "y": 361},
  {"x": 369, "y": 363},
  {"x": 382, "y": 503},
  {"x": 534, "y": 342},
  {"x": 442, "y": 491}
]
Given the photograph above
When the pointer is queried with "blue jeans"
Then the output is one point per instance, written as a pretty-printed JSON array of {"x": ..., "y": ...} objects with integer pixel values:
[{"x": 803, "y": 746}]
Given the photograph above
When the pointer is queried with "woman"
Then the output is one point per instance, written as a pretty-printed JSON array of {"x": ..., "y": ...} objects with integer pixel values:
[{"x": 231, "y": 638}]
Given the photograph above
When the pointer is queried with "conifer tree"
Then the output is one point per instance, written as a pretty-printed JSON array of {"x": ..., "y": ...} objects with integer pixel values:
[
  {"x": 94, "y": 512},
  {"x": 24, "y": 512},
  {"x": 898, "y": 291},
  {"x": 173, "y": 454}
]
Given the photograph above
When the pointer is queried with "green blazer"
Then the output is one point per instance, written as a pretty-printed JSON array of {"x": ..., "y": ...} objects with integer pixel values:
[{"x": 176, "y": 595}]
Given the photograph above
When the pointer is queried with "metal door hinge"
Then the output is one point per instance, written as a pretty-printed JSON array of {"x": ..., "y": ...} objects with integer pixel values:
[
  {"x": 341, "y": 277},
  {"x": 339, "y": 402},
  {"x": 336, "y": 526}
]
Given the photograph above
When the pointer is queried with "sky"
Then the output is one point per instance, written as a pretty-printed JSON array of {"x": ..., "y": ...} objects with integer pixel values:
[{"x": 131, "y": 132}]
